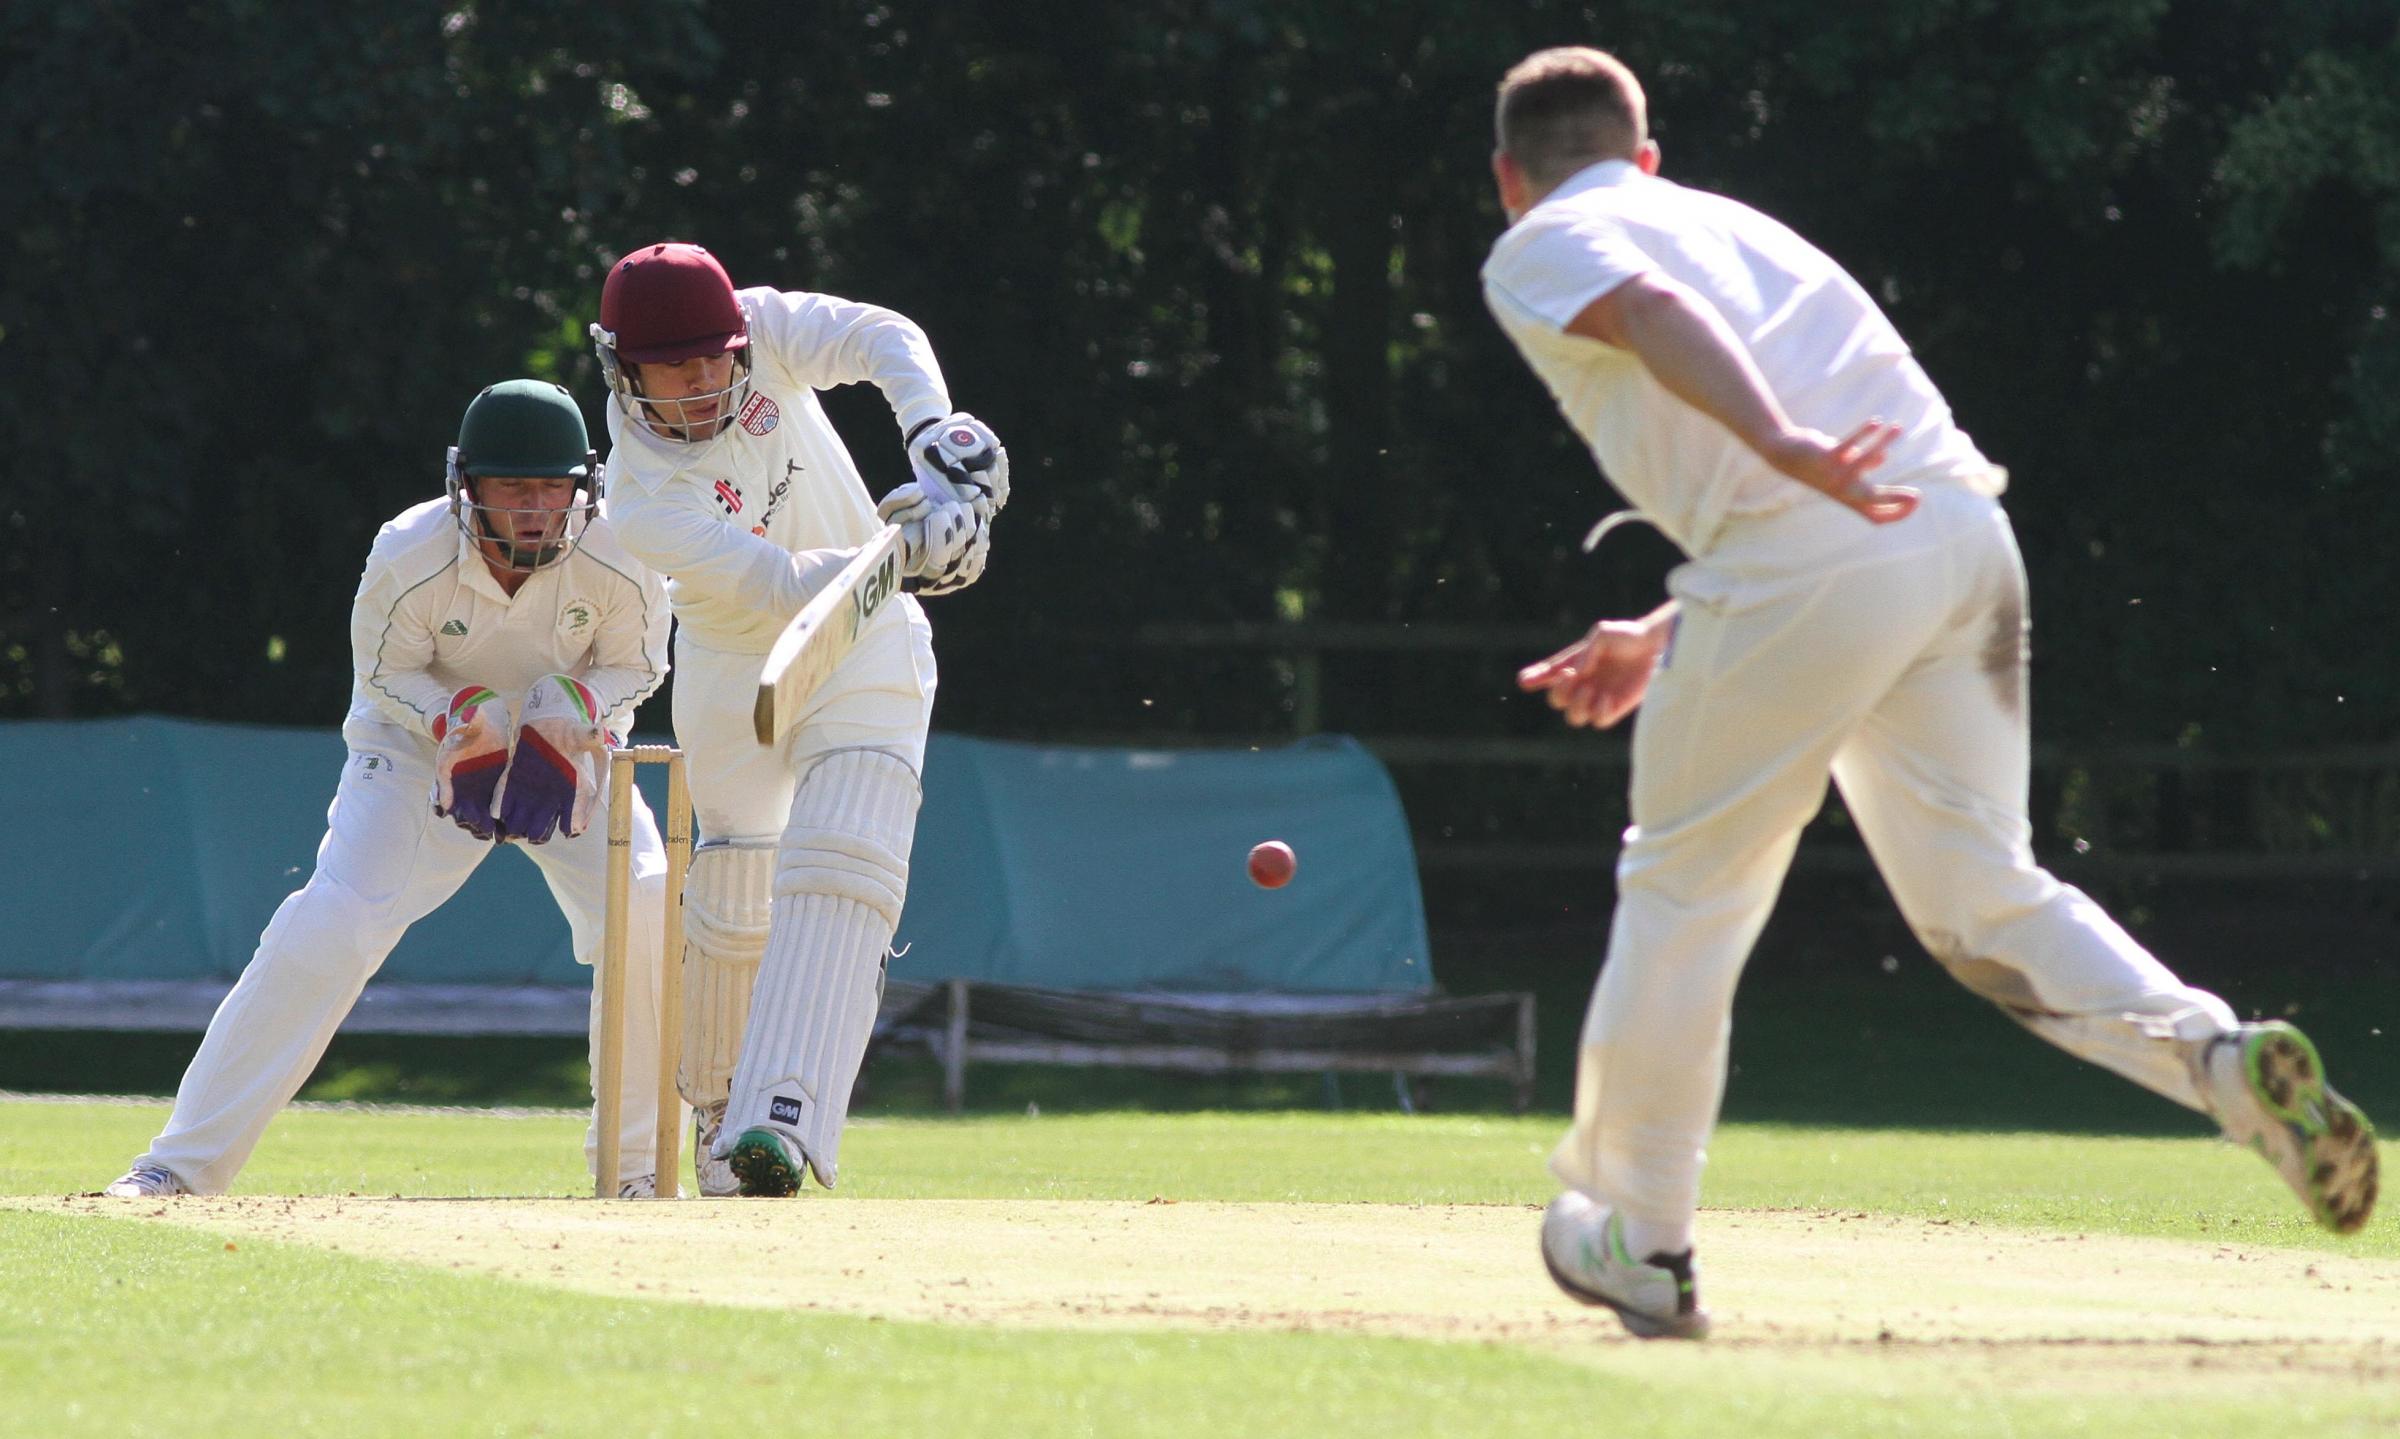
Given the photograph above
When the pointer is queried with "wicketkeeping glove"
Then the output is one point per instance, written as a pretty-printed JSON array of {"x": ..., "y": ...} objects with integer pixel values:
[
  {"x": 472, "y": 757},
  {"x": 963, "y": 451},
  {"x": 555, "y": 776}
]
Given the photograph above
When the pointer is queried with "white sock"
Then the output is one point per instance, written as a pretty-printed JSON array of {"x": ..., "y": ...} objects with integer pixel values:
[{"x": 1643, "y": 1238}]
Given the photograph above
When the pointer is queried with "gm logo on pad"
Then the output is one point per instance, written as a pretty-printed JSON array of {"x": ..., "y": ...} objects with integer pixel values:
[{"x": 783, "y": 1109}]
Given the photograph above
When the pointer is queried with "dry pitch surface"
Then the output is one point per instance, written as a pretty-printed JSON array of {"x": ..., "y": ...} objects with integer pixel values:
[{"x": 2048, "y": 1312}]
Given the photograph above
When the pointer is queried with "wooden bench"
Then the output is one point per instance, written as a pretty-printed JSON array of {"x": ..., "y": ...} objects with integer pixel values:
[{"x": 1415, "y": 1036}]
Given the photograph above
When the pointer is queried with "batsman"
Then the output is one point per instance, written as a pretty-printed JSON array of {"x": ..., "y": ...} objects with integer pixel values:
[
  {"x": 499, "y": 636},
  {"x": 727, "y": 478}
]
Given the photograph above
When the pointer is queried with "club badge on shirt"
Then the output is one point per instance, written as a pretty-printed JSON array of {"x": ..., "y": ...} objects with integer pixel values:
[
  {"x": 760, "y": 415},
  {"x": 576, "y": 619}
]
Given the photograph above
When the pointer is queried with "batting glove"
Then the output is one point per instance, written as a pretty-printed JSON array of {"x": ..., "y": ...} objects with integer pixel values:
[
  {"x": 472, "y": 757},
  {"x": 555, "y": 776},
  {"x": 943, "y": 540},
  {"x": 963, "y": 451}
]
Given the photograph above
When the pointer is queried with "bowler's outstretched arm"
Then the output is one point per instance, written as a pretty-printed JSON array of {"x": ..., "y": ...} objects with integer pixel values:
[{"x": 1688, "y": 348}]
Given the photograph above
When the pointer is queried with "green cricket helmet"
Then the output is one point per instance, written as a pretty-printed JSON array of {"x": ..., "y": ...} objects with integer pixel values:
[{"x": 523, "y": 429}]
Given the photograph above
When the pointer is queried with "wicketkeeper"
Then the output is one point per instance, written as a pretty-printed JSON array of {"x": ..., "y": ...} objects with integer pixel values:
[
  {"x": 726, "y": 477},
  {"x": 500, "y": 636}
]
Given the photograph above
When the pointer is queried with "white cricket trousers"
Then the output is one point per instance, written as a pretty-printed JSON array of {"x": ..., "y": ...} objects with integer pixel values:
[
  {"x": 879, "y": 698},
  {"x": 387, "y": 861},
  {"x": 1810, "y": 642},
  {"x": 827, "y": 819}
]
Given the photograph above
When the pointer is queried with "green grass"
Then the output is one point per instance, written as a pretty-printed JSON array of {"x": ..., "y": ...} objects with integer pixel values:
[
  {"x": 113, "y": 1326},
  {"x": 2192, "y": 1188},
  {"x": 147, "y": 1330}
]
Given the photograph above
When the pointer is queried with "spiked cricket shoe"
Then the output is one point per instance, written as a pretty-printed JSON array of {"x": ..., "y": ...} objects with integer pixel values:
[
  {"x": 642, "y": 1186},
  {"x": 2272, "y": 1096},
  {"x": 715, "y": 1175},
  {"x": 146, "y": 1181},
  {"x": 768, "y": 1164},
  {"x": 1583, "y": 1245}
]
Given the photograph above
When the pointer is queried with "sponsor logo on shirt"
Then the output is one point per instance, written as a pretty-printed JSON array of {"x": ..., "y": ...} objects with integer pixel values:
[
  {"x": 776, "y": 497},
  {"x": 575, "y": 618},
  {"x": 455, "y": 627},
  {"x": 759, "y": 416},
  {"x": 729, "y": 497}
]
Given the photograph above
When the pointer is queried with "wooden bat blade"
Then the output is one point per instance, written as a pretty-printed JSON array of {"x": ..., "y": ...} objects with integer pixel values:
[{"x": 821, "y": 634}]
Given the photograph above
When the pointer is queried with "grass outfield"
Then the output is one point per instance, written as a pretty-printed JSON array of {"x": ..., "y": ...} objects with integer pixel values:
[
  {"x": 1191, "y": 1274},
  {"x": 2195, "y": 1188}
]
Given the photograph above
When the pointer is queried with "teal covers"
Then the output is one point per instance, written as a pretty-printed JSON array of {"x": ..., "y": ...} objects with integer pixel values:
[
  {"x": 1124, "y": 869},
  {"x": 152, "y": 848}
]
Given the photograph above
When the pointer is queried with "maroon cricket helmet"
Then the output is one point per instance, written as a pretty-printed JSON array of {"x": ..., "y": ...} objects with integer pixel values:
[{"x": 670, "y": 302}]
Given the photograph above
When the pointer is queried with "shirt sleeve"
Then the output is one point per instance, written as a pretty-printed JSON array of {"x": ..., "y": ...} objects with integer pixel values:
[
  {"x": 1552, "y": 269},
  {"x": 825, "y": 342},
  {"x": 675, "y": 533},
  {"x": 391, "y": 641},
  {"x": 629, "y": 657}
]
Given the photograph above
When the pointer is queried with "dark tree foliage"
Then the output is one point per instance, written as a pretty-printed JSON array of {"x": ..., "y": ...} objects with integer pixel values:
[{"x": 1209, "y": 267}]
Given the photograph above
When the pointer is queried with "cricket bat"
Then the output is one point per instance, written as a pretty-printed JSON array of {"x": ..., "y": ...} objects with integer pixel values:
[{"x": 822, "y": 633}]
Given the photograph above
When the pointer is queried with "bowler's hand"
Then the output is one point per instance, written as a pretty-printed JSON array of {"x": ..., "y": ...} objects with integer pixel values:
[
  {"x": 1838, "y": 468},
  {"x": 1601, "y": 678}
]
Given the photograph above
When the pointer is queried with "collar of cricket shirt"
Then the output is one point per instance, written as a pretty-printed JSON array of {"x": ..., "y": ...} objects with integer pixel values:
[
  {"x": 475, "y": 572},
  {"x": 1595, "y": 177}
]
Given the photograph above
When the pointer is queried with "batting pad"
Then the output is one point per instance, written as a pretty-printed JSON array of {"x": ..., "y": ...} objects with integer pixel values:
[
  {"x": 728, "y": 898},
  {"x": 840, "y": 880}
]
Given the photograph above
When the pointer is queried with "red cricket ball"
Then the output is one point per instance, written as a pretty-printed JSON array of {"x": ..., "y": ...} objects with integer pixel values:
[{"x": 1272, "y": 863}]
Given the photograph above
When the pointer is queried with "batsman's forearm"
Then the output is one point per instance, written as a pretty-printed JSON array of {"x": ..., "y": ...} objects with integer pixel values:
[
  {"x": 677, "y": 535},
  {"x": 1688, "y": 348},
  {"x": 892, "y": 352},
  {"x": 826, "y": 341}
]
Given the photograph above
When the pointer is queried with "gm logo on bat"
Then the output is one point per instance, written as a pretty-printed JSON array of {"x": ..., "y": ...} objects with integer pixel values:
[{"x": 869, "y": 596}]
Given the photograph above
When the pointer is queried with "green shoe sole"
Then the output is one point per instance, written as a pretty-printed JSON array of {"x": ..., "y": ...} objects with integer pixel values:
[
  {"x": 2337, "y": 1142},
  {"x": 763, "y": 1166}
]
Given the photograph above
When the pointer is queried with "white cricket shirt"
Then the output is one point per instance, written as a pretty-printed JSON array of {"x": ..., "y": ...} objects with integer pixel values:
[
  {"x": 430, "y": 620},
  {"x": 1830, "y": 357},
  {"x": 723, "y": 517}
]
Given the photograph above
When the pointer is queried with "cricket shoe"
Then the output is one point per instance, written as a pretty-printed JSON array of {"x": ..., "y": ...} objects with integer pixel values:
[
  {"x": 146, "y": 1181},
  {"x": 2272, "y": 1096},
  {"x": 715, "y": 1175},
  {"x": 1583, "y": 1246},
  {"x": 643, "y": 1186},
  {"x": 768, "y": 1164}
]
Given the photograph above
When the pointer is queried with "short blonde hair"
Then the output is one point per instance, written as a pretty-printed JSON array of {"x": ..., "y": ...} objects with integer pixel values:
[{"x": 1565, "y": 108}]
